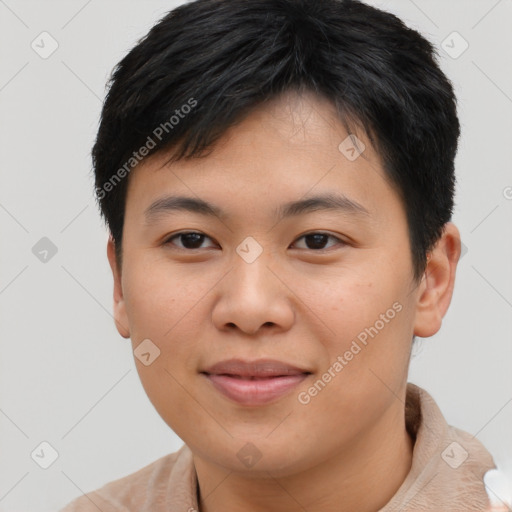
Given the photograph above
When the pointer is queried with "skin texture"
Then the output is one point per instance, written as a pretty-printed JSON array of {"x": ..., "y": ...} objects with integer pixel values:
[{"x": 346, "y": 449}]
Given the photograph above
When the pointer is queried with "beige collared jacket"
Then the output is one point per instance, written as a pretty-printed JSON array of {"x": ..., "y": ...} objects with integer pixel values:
[{"x": 446, "y": 475}]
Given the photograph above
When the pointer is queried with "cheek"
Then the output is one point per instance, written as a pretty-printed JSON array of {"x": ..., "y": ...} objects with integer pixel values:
[
  {"x": 164, "y": 309},
  {"x": 372, "y": 325},
  {"x": 360, "y": 383},
  {"x": 157, "y": 296},
  {"x": 164, "y": 305}
]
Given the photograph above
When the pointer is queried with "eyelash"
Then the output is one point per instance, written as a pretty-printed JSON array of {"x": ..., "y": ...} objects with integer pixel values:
[{"x": 177, "y": 235}]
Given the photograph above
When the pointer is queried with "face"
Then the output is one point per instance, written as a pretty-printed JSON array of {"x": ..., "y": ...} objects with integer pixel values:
[{"x": 328, "y": 290}]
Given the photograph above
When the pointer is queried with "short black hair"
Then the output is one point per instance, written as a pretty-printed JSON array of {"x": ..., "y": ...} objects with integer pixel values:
[{"x": 207, "y": 63}]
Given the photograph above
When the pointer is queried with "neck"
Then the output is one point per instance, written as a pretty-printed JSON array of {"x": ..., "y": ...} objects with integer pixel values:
[{"x": 362, "y": 477}]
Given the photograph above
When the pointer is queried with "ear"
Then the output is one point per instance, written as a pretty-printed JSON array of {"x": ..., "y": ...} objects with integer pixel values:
[
  {"x": 120, "y": 316},
  {"x": 436, "y": 287}
]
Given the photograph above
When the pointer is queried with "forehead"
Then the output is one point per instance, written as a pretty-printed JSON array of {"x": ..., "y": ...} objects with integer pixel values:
[{"x": 293, "y": 147}]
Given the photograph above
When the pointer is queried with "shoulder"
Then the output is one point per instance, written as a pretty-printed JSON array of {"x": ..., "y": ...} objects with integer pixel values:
[
  {"x": 464, "y": 461},
  {"x": 449, "y": 464},
  {"x": 132, "y": 491}
]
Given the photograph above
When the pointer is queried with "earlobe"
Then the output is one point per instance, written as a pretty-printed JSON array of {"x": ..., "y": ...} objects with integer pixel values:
[
  {"x": 436, "y": 288},
  {"x": 120, "y": 316}
]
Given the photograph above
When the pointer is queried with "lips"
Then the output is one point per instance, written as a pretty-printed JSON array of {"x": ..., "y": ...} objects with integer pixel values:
[
  {"x": 262, "y": 368},
  {"x": 254, "y": 383}
]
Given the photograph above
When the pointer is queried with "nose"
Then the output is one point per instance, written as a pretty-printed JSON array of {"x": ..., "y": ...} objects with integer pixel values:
[{"x": 252, "y": 297}]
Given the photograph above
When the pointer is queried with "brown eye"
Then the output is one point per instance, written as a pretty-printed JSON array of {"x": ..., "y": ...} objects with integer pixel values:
[
  {"x": 193, "y": 240},
  {"x": 189, "y": 240},
  {"x": 317, "y": 241}
]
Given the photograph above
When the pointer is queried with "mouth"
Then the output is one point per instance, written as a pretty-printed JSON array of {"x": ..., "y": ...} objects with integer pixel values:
[
  {"x": 254, "y": 383},
  {"x": 250, "y": 377},
  {"x": 254, "y": 391}
]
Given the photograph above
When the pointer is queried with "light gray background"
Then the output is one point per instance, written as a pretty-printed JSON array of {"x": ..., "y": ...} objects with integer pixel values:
[{"x": 66, "y": 375}]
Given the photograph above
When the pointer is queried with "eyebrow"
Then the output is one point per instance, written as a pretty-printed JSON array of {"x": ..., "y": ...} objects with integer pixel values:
[{"x": 328, "y": 201}]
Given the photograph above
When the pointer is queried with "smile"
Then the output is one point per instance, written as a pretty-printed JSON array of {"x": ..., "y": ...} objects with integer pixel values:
[{"x": 254, "y": 391}]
